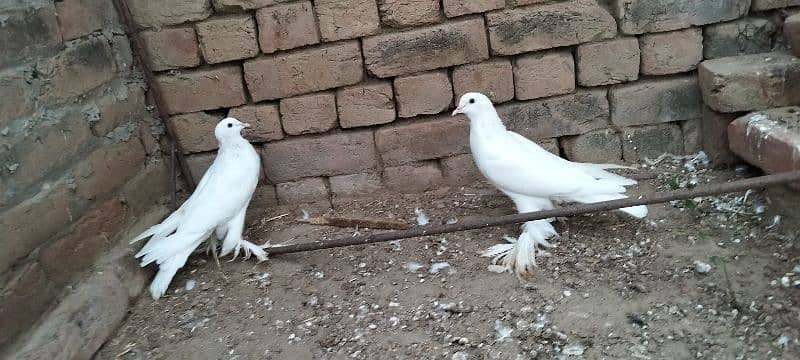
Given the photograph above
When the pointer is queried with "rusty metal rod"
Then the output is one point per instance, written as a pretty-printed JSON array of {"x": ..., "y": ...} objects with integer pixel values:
[
  {"x": 683, "y": 194},
  {"x": 142, "y": 54}
]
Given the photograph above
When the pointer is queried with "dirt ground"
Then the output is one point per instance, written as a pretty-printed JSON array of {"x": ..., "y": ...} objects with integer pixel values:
[{"x": 614, "y": 288}]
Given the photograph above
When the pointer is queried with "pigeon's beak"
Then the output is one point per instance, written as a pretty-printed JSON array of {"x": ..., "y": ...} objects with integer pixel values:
[
  {"x": 457, "y": 111},
  {"x": 245, "y": 125}
]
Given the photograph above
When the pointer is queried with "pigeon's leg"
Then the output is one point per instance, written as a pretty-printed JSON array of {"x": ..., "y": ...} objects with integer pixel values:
[{"x": 233, "y": 238}]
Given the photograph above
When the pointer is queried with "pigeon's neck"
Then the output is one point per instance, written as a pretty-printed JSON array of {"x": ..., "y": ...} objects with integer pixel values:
[
  {"x": 487, "y": 122},
  {"x": 231, "y": 145}
]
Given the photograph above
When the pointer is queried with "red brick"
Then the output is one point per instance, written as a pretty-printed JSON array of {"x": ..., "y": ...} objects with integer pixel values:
[
  {"x": 206, "y": 89},
  {"x": 671, "y": 52},
  {"x": 355, "y": 184},
  {"x": 599, "y": 146},
  {"x": 171, "y": 48},
  {"x": 79, "y": 247},
  {"x": 557, "y": 116},
  {"x": 335, "y": 154},
  {"x": 23, "y": 300},
  {"x": 641, "y": 16},
  {"x": 264, "y": 119},
  {"x": 715, "y": 137},
  {"x": 228, "y": 38},
  {"x": 768, "y": 139},
  {"x": 423, "y": 140},
  {"x": 32, "y": 222},
  {"x": 655, "y": 101},
  {"x": 239, "y": 5},
  {"x": 791, "y": 31},
  {"x": 108, "y": 167},
  {"x": 346, "y": 19},
  {"x": 82, "y": 66},
  {"x": 297, "y": 73},
  {"x": 750, "y": 82},
  {"x": 426, "y": 93},
  {"x": 493, "y": 78},
  {"x": 302, "y": 191},
  {"x": 544, "y": 74},
  {"x": 460, "y": 169},
  {"x": 650, "y": 141},
  {"x": 195, "y": 131},
  {"x": 426, "y": 48},
  {"x": 16, "y": 94},
  {"x": 152, "y": 183},
  {"x": 365, "y": 104},
  {"x": 759, "y": 5},
  {"x": 402, "y": 13},
  {"x": 155, "y": 13},
  {"x": 454, "y": 8},
  {"x": 547, "y": 26},
  {"x": 27, "y": 29},
  {"x": 307, "y": 114},
  {"x": 415, "y": 177},
  {"x": 550, "y": 145},
  {"x": 81, "y": 17},
  {"x": 608, "y": 62},
  {"x": 264, "y": 198},
  {"x": 286, "y": 26},
  {"x": 199, "y": 163}
]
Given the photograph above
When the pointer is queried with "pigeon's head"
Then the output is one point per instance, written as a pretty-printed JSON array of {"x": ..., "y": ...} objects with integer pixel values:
[
  {"x": 229, "y": 128},
  {"x": 472, "y": 104}
]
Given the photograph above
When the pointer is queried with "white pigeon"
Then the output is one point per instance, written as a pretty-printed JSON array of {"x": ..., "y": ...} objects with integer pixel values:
[
  {"x": 218, "y": 206},
  {"x": 534, "y": 179}
]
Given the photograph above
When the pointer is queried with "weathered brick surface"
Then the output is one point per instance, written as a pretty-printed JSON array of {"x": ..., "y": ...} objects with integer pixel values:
[
  {"x": 715, "y": 137},
  {"x": 427, "y": 48},
  {"x": 228, "y": 38},
  {"x": 493, "y": 78},
  {"x": 195, "y": 131},
  {"x": 750, "y": 82},
  {"x": 199, "y": 163},
  {"x": 302, "y": 191},
  {"x": 87, "y": 239},
  {"x": 16, "y": 94},
  {"x": 650, "y": 141},
  {"x": 773, "y": 4},
  {"x": 671, "y": 52},
  {"x": 768, "y": 139},
  {"x": 206, "y": 89},
  {"x": 402, "y": 13},
  {"x": 599, "y": 146},
  {"x": 365, "y": 104},
  {"x": 656, "y": 101},
  {"x": 460, "y": 169},
  {"x": 692, "y": 135},
  {"x": 426, "y": 93},
  {"x": 119, "y": 105},
  {"x": 571, "y": 114},
  {"x": 107, "y": 168},
  {"x": 23, "y": 225},
  {"x": 264, "y": 119},
  {"x": 740, "y": 37},
  {"x": 462, "y": 7},
  {"x": 306, "y": 114},
  {"x": 608, "y": 62},
  {"x": 151, "y": 13},
  {"x": 547, "y": 26},
  {"x": 355, "y": 184},
  {"x": 239, "y": 5},
  {"x": 264, "y": 199},
  {"x": 81, "y": 17},
  {"x": 343, "y": 153},
  {"x": 423, "y": 140},
  {"x": 79, "y": 68},
  {"x": 415, "y": 177},
  {"x": 27, "y": 28},
  {"x": 296, "y": 73},
  {"x": 544, "y": 74},
  {"x": 286, "y": 26},
  {"x": 641, "y": 16},
  {"x": 23, "y": 300},
  {"x": 171, "y": 48},
  {"x": 791, "y": 31},
  {"x": 148, "y": 186},
  {"x": 347, "y": 19}
]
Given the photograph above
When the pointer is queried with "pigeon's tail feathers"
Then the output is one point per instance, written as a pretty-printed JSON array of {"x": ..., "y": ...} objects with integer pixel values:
[
  {"x": 163, "y": 249},
  {"x": 162, "y": 230},
  {"x": 639, "y": 211},
  {"x": 598, "y": 171},
  {"x": 166, "y": 271}
]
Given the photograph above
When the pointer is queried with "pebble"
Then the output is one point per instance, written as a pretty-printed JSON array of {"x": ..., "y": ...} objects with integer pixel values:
[{"x": 701, "y": 267}]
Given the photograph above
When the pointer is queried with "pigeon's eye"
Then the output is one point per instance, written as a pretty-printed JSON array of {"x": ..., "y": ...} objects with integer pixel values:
[
  {"x": 471, "y": 101},
  {"x": 230, "y": 125}
]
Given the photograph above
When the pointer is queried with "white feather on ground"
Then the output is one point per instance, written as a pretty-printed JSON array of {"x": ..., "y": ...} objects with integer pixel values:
[
  {"x": 217, "y": 206},
  {"x": 534, "y": 179}
]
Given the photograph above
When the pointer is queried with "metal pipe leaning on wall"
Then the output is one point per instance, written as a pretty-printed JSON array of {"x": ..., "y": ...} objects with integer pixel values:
[{"x": 654, "y": 198}]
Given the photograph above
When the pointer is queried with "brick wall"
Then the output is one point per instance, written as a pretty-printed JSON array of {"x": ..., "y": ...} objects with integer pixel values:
[
  {"x": 81, "y": 156},
  {"x": 353, "y": 96}
]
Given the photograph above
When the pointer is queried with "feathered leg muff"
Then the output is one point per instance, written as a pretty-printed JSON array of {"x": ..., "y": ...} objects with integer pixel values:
[{"x": 519, "y": 255}]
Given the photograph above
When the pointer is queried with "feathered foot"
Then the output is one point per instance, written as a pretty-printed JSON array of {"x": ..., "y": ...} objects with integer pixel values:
[{"x": 519, "y": 255}]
